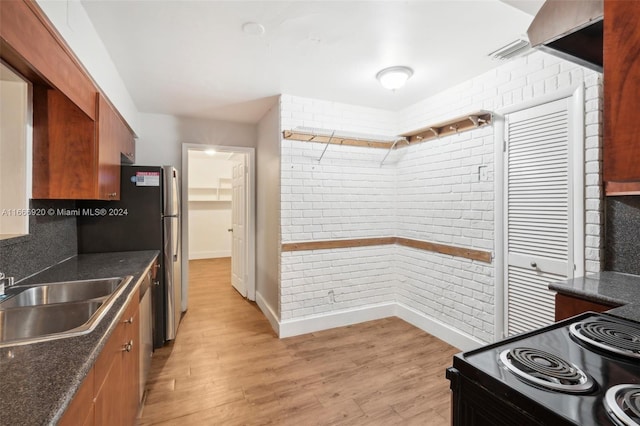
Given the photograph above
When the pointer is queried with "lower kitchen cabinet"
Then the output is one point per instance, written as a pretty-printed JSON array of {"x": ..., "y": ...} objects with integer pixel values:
[
  {"x": 81, "y": 411},
  {"x": 569, "y": 306},
  {"x": 109, "y": 394}
]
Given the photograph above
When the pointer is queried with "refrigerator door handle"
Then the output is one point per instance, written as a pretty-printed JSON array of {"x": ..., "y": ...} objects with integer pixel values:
[{"x": 176, "y": 242}]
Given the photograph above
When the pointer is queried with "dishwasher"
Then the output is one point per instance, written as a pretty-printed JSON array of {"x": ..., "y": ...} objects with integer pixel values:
[{"x": 146, "y": 332}]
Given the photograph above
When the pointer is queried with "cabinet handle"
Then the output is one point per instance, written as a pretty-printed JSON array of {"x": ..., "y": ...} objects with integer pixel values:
[
  {"x": 127, "y": 346},
  {"x": 128, "y": 321}
]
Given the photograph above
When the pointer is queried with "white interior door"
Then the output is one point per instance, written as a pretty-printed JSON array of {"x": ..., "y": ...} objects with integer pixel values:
[
  {"x": 538, "y": 211},
  {"x": 238, "y": 215}
]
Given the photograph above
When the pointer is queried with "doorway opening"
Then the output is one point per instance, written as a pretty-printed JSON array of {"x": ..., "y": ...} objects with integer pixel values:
[{"x": 218, "y": 188}]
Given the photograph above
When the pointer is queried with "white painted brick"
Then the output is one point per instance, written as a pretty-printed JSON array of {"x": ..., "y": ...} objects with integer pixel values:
[{"x": 428, "y": 191}]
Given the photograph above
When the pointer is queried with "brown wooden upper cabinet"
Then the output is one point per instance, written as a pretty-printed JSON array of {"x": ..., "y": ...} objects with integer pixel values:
[
  {"x": 622, "y": 97},
  {"x": 79, "y": 139},
  {"x": 75, "y": 157}
]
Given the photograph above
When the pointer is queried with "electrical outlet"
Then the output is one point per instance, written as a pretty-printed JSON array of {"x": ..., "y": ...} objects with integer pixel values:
[{"x": 483, "y": 174}]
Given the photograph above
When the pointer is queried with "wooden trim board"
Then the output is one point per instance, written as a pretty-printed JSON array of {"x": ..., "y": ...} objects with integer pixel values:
[
  {"x": 468, "y": 253},
  {"x": 482, "y": 256},
  {"x": 332, "y": 244}
]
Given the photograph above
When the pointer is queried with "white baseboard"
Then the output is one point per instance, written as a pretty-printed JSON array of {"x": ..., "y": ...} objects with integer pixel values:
[
  {"x": 442, "y": 331},
  {"x": 329, "y": 320},
  {"x": 268, "y": 312},
  {"x": 209, "y": 254}
]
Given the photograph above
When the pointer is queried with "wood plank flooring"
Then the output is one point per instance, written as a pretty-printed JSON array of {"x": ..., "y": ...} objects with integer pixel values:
[{"x": 227, "y": 367}]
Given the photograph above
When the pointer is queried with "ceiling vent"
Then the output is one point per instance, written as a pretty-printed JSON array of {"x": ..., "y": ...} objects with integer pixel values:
[{"x": 510, "y": 50}]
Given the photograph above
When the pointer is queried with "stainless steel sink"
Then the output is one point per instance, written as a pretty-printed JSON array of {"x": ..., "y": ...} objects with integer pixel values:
[
  {"x": 26, "y": 323},
  {"x": 61, "y": 292},
  {"x": 39, "y": 312}
]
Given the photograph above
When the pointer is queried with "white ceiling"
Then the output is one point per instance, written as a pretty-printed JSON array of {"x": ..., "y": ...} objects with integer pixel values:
[{"x": 191, "y": 58}]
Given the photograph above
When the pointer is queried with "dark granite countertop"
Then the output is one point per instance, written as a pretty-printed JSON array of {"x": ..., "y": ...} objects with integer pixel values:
[
  {"x": 609, "y": 288},
  {"x": 37, "y": 381}
]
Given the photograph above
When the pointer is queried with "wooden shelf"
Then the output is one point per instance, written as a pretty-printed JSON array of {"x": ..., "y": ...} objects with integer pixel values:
[
  {"x": 446, "y": 128},
  {"x": 335, "y": 140},
  {"x": 450, "y": 127}
]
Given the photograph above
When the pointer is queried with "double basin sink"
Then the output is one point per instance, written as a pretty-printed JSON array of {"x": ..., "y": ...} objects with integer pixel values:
[{"x": 40, "y": 312}]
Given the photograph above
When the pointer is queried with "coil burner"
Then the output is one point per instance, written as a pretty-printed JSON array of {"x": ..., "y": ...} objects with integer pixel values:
[
  {"x": 610, "y": 336},
  {"x": 622, "y": 403},
  {"x": 546, "y": 370}
]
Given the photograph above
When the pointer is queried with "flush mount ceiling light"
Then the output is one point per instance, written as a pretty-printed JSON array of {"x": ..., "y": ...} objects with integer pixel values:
[
  {"x": 253, "y": 28},
  {"x": 393, "y": 78}
]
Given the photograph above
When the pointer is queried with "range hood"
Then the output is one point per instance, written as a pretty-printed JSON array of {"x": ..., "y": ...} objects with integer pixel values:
[{"x": 570, "y": 29}]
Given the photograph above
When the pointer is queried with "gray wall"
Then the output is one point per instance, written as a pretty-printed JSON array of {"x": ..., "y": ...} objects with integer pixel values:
[
  {"x": 268, "y": 210},
  {"x": 51, "y": 238},
  {"x": 161, "y": 137}
]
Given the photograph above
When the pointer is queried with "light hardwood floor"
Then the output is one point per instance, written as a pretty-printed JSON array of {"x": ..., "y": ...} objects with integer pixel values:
[{"x": 227, "y": 367}]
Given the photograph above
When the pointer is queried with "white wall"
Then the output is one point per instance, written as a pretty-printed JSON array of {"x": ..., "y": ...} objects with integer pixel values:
[
  {"x": 346, "y": 195},
  {"x": 161, "y": 137},
  {"x": 73, "y": 23},
  {"x": 268, "y": 215},
  {"x": 210, "y": 220},
  {"x": 443, "y": 199},
  {"x": 430, "y": 191},
  {"x": 160, "y": 143}
]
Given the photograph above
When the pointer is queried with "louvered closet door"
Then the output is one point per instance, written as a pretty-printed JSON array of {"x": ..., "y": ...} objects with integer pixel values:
[{"x": 538, "y": 211}]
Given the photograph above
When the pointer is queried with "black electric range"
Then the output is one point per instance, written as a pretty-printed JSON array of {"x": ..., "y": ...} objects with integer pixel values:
[{"x": 571, "y": 369}]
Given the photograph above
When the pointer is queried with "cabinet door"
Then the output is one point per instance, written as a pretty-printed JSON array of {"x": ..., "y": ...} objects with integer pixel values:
[
  {"x": 80, "y": 411},
  {"x": 622, "y": 97},
  {"x": 109, "y": 139},
  {"x": 64, "y": 148},
  {"x": 33, "y": 46},
  {"x": 117, "y": 378},
  {"x": 568, "y": 306},
  {"x": 131, "y": 371},
  {"x": 110, "y": 398}
]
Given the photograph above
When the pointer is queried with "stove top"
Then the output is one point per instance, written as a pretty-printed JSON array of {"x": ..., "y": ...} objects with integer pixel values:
[
  {"x": 622, "y": 403},
  {"x": 610, "y": 336},
  {"x": 562, "y": 370},
  {"x": 546, "y": 370}
]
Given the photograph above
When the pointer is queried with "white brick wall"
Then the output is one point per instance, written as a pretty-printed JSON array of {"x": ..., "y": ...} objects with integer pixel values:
[
  {"x": 346, "y": 195},
  {"x": 430, "y": 191},
  {"x": 321, "y": 281}
]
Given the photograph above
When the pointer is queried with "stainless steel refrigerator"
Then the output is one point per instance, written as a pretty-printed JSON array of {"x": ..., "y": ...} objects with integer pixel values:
[{"x": 147, "y": 217}]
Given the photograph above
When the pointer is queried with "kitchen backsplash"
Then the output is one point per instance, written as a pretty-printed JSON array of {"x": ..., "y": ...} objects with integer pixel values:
[
  {"x": 52, "y": 238},
  {"x": 622, "y": 240}
]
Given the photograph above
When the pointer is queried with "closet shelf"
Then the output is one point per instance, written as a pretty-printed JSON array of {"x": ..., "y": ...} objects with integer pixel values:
[
  {"x": 333, "y": 139},
  {"x": 456, "y": 125},
  {"x": 445, "y": 128}
]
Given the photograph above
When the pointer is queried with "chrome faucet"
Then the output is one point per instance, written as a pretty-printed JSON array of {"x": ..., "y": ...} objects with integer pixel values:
[{"x": 5, "y": 282}]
